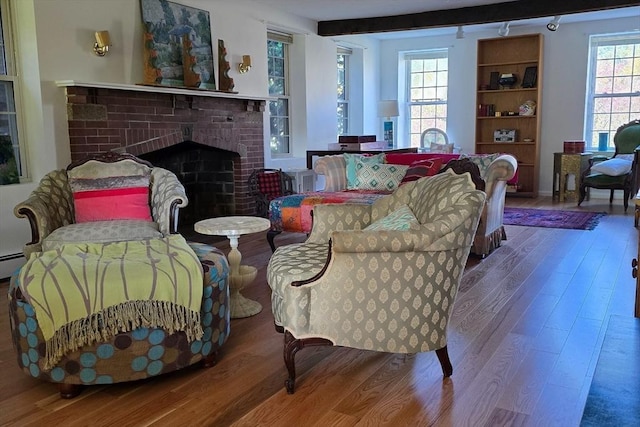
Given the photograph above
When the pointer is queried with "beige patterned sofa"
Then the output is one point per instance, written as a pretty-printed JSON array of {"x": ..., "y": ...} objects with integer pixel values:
[
  {"x": 388, "y": 288},
  {"x": 496, "y": 170}
]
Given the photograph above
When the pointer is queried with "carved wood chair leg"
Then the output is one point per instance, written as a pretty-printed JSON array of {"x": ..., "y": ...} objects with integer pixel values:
[
  {"x": 69, "y": 391},
  {"x": 611, "y": 197},
  {"x": 443, "y": 357},
  {"x": 210, "y": 360},
  {"x": 291, "y": 347},
  {"x": 271, "y": 234},
  {"x": 583, "y": 193}
]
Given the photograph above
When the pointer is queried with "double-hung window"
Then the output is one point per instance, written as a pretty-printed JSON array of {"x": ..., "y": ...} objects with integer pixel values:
[
  {"x": 343, "y": 90},
  {"x": 11, "y": 153},
  {"x": 613, "y": 87},
  {"x": 427, "y": 85},
  {"x": 279, "y": 108}
]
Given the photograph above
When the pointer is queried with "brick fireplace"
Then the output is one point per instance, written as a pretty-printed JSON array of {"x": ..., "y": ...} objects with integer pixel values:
[{"x": 221, "y": 136}]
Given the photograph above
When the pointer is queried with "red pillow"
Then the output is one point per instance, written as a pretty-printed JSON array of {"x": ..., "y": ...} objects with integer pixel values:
[
  {"x": 421, "y": 168},
  {"x": 111, "y": 198},
  {"x": 270, "y": 184}
]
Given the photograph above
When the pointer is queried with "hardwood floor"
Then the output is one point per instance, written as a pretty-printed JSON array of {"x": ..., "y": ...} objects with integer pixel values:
[{"x": 524, "y": 340}]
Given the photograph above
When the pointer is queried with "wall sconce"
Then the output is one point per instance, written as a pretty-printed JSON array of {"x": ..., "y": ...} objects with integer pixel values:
[
  {"x": 554, "y": 23},
  {"x": 460, "y": 32},
  {"x": 103, "y": 41},
  {"x": 245, "y": 65},
  {"x": 503, "y": 31}
]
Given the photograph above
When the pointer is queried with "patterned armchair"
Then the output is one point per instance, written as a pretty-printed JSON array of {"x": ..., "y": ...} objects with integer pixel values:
[
  {"x": 114, "y": 212},
  {"x": 387, "y": 288},
  {"x": 51, "y": 212}
]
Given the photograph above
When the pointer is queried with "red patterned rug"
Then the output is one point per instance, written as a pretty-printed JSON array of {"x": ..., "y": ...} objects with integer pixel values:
[{"x": 548, "y": 218}]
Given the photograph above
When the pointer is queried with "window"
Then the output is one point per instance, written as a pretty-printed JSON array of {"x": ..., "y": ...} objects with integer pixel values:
[
  {"x": 343, "y": 90},
  {"x": 278, "y": 57},
  {"x": 427, "y": 83},
  {"x": 613, "y": 87},
  {"x": 11, "y": 164}
]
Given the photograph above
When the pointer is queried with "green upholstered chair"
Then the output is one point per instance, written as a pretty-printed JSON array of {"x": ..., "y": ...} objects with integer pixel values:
[
  {"x": 390, "y": 288},
  {"x": 627, "y": 142}
]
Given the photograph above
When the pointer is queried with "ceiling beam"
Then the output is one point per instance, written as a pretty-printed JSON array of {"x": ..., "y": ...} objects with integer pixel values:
[{"x": 497, "y": 12}]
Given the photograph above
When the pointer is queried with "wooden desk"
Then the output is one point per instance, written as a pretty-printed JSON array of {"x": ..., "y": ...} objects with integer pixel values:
[
  {"x": 312, "y": 153},
  {"x": 565, "y": 165}
]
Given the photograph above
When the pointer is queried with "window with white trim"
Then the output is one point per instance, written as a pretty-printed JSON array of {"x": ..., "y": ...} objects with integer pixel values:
[
  {"x": 12, "y": 165},
  {"x": 613, "y": 87},
  {"x": 278, "y": 69},
  {"x": 343, "y": 90},
  {"x": 427, "y": 87}
]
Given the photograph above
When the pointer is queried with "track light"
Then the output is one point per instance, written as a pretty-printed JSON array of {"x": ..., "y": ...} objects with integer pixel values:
[
  {"x": 460, "y": 32},
  {"x": 504, "y": 30},
  {"x": 554, "y": 23}
]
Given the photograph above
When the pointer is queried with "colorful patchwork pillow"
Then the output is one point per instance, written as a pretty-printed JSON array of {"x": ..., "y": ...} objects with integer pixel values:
[
  {"x": 111, "y": 198},
  {"x": 351, "y": 161},
  {"x": 421, "y": 168},
  {"x": 402, "y": 219},
  {"x": 379, "y": 176}
]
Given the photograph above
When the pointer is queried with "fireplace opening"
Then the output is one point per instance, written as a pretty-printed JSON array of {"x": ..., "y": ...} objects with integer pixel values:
[{"x": 207, "y": 174}]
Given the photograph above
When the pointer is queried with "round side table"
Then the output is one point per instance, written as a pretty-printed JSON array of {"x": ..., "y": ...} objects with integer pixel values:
[{"x": 240, "y": 275}]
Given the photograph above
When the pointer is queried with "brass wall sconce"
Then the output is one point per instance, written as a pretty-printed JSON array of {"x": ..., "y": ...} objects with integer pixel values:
[
  {"x": 103, "y": 41},
  {"x": 245, "y": 65}
]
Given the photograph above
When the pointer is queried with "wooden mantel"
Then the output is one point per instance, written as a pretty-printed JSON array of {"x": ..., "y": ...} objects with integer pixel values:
[{"x": 159, "y": 89}]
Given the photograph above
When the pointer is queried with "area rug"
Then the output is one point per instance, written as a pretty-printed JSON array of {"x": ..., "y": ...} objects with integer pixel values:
[{"x": 548, "y": 218}]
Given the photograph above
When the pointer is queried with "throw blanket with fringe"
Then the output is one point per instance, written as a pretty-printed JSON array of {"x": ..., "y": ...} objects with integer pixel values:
[{"x": 88, "y": 292}]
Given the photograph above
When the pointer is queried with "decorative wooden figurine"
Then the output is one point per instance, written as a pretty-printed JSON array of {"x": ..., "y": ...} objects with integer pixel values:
[
  {"x": 226, "y": 82},
  {"x": 152, "y": 74},
  {"x": 191, "y": 78}
]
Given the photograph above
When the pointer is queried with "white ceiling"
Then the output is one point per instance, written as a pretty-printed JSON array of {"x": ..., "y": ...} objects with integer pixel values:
[{"x": 327, "y": 10}]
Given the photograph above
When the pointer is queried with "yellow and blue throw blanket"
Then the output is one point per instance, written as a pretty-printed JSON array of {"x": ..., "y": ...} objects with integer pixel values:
[{"x": 88, "y": 292}]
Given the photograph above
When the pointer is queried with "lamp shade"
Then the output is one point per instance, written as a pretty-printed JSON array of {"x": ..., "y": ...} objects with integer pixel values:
[{"x": 388, "y": 108}]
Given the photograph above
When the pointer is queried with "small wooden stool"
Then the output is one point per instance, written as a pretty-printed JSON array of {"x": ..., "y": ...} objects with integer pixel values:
[{"x": 637, "y": 203}]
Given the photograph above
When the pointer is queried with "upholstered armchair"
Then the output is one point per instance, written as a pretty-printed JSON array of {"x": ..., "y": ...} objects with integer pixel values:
[
  {"x": 51, "y": 212},
  {"x": 379, "y": 277},
  {"x": 110, "y": 292},
  {"x": 618, "y": 172}
]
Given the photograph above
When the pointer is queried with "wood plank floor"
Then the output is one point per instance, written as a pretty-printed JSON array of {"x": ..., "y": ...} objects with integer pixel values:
[{"x": 524, "y": 340}]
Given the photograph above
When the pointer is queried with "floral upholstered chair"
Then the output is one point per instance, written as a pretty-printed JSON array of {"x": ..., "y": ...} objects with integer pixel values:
[
  {"x": 110, "y": 291},
  {"x": 379, "y": 277},
  {"x": 131, "y": 200}
]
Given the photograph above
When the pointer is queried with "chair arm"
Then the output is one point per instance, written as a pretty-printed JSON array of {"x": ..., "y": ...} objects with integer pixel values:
[
  {"x": 49, "y": 207},
  {"x": 334, "y": 170},
  {"x": 167, "y": 196},
  {"x": 329, "y": 217},
  {"x": 502, "y": 168}
]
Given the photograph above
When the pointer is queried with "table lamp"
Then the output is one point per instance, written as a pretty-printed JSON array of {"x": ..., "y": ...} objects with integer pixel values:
[{"x": 388, "y": 109}]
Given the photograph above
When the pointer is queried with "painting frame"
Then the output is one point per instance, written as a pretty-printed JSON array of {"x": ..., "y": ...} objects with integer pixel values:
[{"x": 178, "y": 49}]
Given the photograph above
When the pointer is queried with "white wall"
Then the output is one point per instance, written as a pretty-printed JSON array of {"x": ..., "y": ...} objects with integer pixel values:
[
  {"x": 55, "y": 39},
  {"x": 564, "y": 82}
]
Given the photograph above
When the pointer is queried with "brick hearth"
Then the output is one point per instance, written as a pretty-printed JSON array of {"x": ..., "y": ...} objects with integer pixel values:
[{"x": 141, "y": 122}]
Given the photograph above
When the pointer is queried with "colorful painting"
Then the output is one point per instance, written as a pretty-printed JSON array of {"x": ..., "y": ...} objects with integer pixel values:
[{"x": 177, "y": 45}]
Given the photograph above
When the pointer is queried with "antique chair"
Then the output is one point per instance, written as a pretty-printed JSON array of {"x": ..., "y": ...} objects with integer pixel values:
[
  {"x": 435, "y": 140},
  {"x": 619, "y": 171},
  {"x": 109, "y": 222},
  {"x": 379, "y": 277},
  {"x": 267, "y": 184}
]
